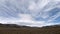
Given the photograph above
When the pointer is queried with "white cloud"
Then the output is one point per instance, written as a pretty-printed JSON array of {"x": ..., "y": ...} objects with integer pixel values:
[
  {"x": 25, "y": 17},
  {"x": 36, "y": 8},
  {"x": 43, "y": 7},
  {"x": 32, "y": 6},
  {"x": 27, "y": 20},
  {"x": 57, "y": 0},
  {"x": 39, "y": 5},
  {"x": 40, "y": 8}
]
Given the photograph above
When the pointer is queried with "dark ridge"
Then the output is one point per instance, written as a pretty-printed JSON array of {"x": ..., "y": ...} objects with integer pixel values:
[
  {"x": 19, "y": 26},
  {"x": 13, "y": 25}
]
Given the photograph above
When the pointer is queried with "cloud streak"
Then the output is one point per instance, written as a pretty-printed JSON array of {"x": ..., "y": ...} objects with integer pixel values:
[{"x": 26, "y": 11}]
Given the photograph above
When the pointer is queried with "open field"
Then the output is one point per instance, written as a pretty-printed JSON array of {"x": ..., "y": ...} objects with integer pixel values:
[{"x": 30, "y": 30}]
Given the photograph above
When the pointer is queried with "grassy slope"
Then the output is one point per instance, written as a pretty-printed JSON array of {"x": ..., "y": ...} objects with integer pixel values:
[{"x": 27, "y": 30}]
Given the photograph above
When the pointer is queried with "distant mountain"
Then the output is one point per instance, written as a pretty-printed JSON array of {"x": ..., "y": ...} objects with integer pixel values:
[
  {"x": 12, "y": 25},
  {"x": 18, "y": 26}
]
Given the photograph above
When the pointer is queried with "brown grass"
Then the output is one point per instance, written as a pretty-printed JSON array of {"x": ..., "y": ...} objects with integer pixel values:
[{"x": 44, "y": 30}]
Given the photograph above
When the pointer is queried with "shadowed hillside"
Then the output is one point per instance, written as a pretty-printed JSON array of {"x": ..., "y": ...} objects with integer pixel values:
[{"x": 15, "y": 29}]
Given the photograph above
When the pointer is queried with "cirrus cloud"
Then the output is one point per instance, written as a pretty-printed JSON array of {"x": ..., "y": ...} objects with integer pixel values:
[{"x": 25, "y": 12}]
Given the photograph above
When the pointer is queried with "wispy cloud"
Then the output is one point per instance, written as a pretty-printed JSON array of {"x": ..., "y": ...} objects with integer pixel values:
[
  {"x": 26, "y": 11},
  {"x": 54, "y": 17}
]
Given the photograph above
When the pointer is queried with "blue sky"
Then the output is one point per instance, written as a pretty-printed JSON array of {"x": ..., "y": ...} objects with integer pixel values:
[{"x": 34, "y": 13}]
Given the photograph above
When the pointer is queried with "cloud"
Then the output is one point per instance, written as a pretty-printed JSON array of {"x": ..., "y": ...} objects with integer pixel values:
[
  {"x": 24, "y": 19},
  {"x": 27, "y": 20},
  {"x": 24, "y": 12},
  {"x": 39, "y": 5},
  {"x": 42, "y": 7},
  {"x": 36, "y": 8},
  {"x": 54, "y": 17}
]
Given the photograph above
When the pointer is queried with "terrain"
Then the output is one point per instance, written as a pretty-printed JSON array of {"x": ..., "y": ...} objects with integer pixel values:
[{"x": 16, "y": 29}]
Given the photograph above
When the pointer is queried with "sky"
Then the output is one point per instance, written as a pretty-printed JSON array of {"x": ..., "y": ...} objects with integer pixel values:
[{"x": 34, "y": 13}]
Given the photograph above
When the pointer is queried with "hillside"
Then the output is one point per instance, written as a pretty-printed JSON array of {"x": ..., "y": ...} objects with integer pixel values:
[{"x": 15, "y": 29}]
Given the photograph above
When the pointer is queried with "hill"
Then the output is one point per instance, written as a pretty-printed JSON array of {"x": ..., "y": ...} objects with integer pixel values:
[{"x": 16, "y": 29}]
